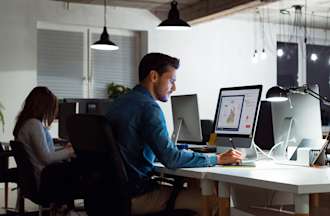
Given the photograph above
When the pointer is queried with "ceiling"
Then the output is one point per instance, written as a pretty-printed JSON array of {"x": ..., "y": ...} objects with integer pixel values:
[
  {"x": 190, "y": 10},
  {"x": 317, "y": 10},
  {"x": 196, "y": 11}
]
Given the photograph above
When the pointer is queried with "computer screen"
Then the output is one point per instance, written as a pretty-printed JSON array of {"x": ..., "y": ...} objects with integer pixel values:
[
  {"x": 71, "y": 106},
  {"x": 302, "y": 111},
  {"x": 187, "y": 125},
  {"x": 90, "y": 105},
  {"x": 236, "y": 115},
  {"x": 65, "y": 111}
]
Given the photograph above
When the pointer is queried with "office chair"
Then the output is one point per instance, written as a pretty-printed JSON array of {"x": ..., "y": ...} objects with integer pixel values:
[
  {"x": 6, "y": 175},
  {"x": 102, "y": 167},
  {"x": 28, "y": 184},
  {"x": 207, "y": 127}
]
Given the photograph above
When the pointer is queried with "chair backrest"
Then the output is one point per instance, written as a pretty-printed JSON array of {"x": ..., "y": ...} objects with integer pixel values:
[
  {"x": 207, "y": 127},
  {"x": 3, "y": 162},
  {"x": 26, "y": 179},
  {"x": 100, "y": 162}
]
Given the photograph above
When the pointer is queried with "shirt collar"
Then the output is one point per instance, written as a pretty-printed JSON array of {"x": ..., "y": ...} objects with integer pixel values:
[{"x": 143, "y": 90}]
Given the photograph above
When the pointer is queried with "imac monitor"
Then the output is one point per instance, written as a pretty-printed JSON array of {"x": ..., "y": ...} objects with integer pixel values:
[
  {"x": 298, "y": 121},
  {"x": 187, "y": 126},
  {"x": 236, "y": 116},
  {"x": 66, "y": 110}
]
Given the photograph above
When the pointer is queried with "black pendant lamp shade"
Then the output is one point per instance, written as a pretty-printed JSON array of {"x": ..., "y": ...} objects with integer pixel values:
[
  {"x": 277, "y": 94},
  {"x": 173, "y": 21},
  {"x": 104, "y": 43}
]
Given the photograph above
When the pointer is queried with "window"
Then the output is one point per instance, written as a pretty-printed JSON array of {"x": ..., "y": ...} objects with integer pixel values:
[
  {"x": 118, "y": 66},
  {"x": 60, "y": 62},
  {"x": 287, "y": 64},
  {"x": 68, "y": 67},
  {"x": 318, "y": 72}
]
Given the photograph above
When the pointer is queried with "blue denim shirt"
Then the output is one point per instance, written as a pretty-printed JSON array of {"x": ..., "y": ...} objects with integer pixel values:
[{"x": 140, "y": 129}]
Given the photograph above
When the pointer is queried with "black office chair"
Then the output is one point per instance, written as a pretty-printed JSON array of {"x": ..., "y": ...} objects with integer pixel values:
[
  {"x": 28, "y": 184},
  {"x": 207, "y": 127},
  {"x": 102, "y": 167},
  {"x": 7, "y": 175}
]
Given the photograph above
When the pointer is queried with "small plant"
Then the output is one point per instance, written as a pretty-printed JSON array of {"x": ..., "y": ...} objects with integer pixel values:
[
  {"x": 2, "y": 117},
  {"x": 115, "y": 90}
]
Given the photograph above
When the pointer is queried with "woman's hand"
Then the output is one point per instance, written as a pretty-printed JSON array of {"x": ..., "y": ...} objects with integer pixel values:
[
  {"x": 68, "y": 145},
  {"x": 69, "y": 148},
  {"x": 229, "y": 157}
]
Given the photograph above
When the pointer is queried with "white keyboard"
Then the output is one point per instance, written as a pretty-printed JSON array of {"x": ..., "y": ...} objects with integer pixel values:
[{"x": 251, "y": 163}]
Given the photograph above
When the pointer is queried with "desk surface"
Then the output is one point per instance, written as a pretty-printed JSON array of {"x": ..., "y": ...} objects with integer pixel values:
[{"x": 266, "y": 174}]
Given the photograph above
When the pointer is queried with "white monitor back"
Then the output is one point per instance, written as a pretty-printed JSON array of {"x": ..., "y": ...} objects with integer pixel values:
[
  {"x": 306, "y": 115},
  {"x": 185, "y": 107}
]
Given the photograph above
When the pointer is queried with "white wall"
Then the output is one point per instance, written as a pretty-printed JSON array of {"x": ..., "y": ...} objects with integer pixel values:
[
  {"x": 17, "y": 57},
  {"x": 213, "y": 55}
]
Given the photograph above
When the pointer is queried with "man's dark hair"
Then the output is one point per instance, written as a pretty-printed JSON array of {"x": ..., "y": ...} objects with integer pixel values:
[{"x": 158, "y": 62}]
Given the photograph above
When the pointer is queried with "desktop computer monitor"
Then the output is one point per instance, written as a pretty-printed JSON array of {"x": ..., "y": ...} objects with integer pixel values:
[
  {"x": 90, "y": 105},
  {"x": 298, "y": 121},
  {"x": 187, "y": 125},
  {"x": 65, "y": 111},
  {"x": 236, "y": 116},
  {"x": 71, "y": 106}
]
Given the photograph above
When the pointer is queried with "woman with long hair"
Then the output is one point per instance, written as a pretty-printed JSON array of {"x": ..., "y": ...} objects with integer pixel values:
[{"x": 31, "y": 129}]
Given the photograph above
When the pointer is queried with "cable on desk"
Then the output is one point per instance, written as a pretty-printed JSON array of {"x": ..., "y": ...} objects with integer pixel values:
[{"x": 271, "y": 150}]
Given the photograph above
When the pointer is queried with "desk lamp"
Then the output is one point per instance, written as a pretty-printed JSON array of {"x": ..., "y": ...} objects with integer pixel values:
[{"x": 280, "y": 94}]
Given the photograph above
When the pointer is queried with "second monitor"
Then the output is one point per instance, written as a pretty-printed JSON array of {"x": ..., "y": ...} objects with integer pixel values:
[{"x": 187, "y": 126}]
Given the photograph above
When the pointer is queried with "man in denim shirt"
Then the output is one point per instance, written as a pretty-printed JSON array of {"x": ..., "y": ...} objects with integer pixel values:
[{"x": 142, "y": 135}]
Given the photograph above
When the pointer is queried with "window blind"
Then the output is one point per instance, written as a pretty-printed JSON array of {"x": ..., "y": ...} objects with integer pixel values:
[
  {"x": 60, "y": 62},
  {"x": 118, "y": 66}
]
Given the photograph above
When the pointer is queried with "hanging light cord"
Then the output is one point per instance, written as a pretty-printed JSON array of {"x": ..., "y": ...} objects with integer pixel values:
[
  {"x": 313, "y": 28},
  {"x": 262, "y": 23},
  {"x": 305, "y": 30},
  {"x": 255, "y": 28},
  {"x": 105, "y": 12},
  {"x": 326, "y": 28}
]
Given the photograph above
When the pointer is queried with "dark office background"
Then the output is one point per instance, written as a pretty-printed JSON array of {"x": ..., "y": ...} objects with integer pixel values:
[
  {"x": 287, "y": 65},
  {"x": 317, "y": 71}
]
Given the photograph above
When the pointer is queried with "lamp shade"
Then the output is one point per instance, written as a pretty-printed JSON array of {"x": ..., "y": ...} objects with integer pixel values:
[
  {"x": 277, "y": 94},
  {"x": 173, "y": 21},
  {"x": 104, "y": 43}
]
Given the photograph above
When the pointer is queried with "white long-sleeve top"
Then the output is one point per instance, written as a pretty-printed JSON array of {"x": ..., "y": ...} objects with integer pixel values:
[{"x": 39, "y": 146}]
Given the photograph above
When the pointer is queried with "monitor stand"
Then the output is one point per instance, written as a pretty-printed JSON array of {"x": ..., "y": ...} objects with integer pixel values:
[
  {"x": 176, "y": 131},
  {"x": 279, "y": 150}
]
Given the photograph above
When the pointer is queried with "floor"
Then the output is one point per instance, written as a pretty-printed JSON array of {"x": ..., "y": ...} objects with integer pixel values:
[{"x": 29, "y": 206}]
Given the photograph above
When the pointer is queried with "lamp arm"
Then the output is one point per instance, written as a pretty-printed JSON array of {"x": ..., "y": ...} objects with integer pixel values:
[{"x": 312, "y": 93}]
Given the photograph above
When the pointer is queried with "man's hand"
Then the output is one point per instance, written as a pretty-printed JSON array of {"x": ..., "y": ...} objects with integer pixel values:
[{"x": 229, "y": 157}]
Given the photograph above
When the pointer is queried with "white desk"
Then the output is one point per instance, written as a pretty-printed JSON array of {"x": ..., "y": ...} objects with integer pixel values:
[
  {"x": 301, "y": 181},
  {"x": 206, "y": 185}
]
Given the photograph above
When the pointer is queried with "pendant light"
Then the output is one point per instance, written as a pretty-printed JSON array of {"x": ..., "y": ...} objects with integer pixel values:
[
  {"x": 104, "y": 43},
  {"x": 173, "y": 21}
]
